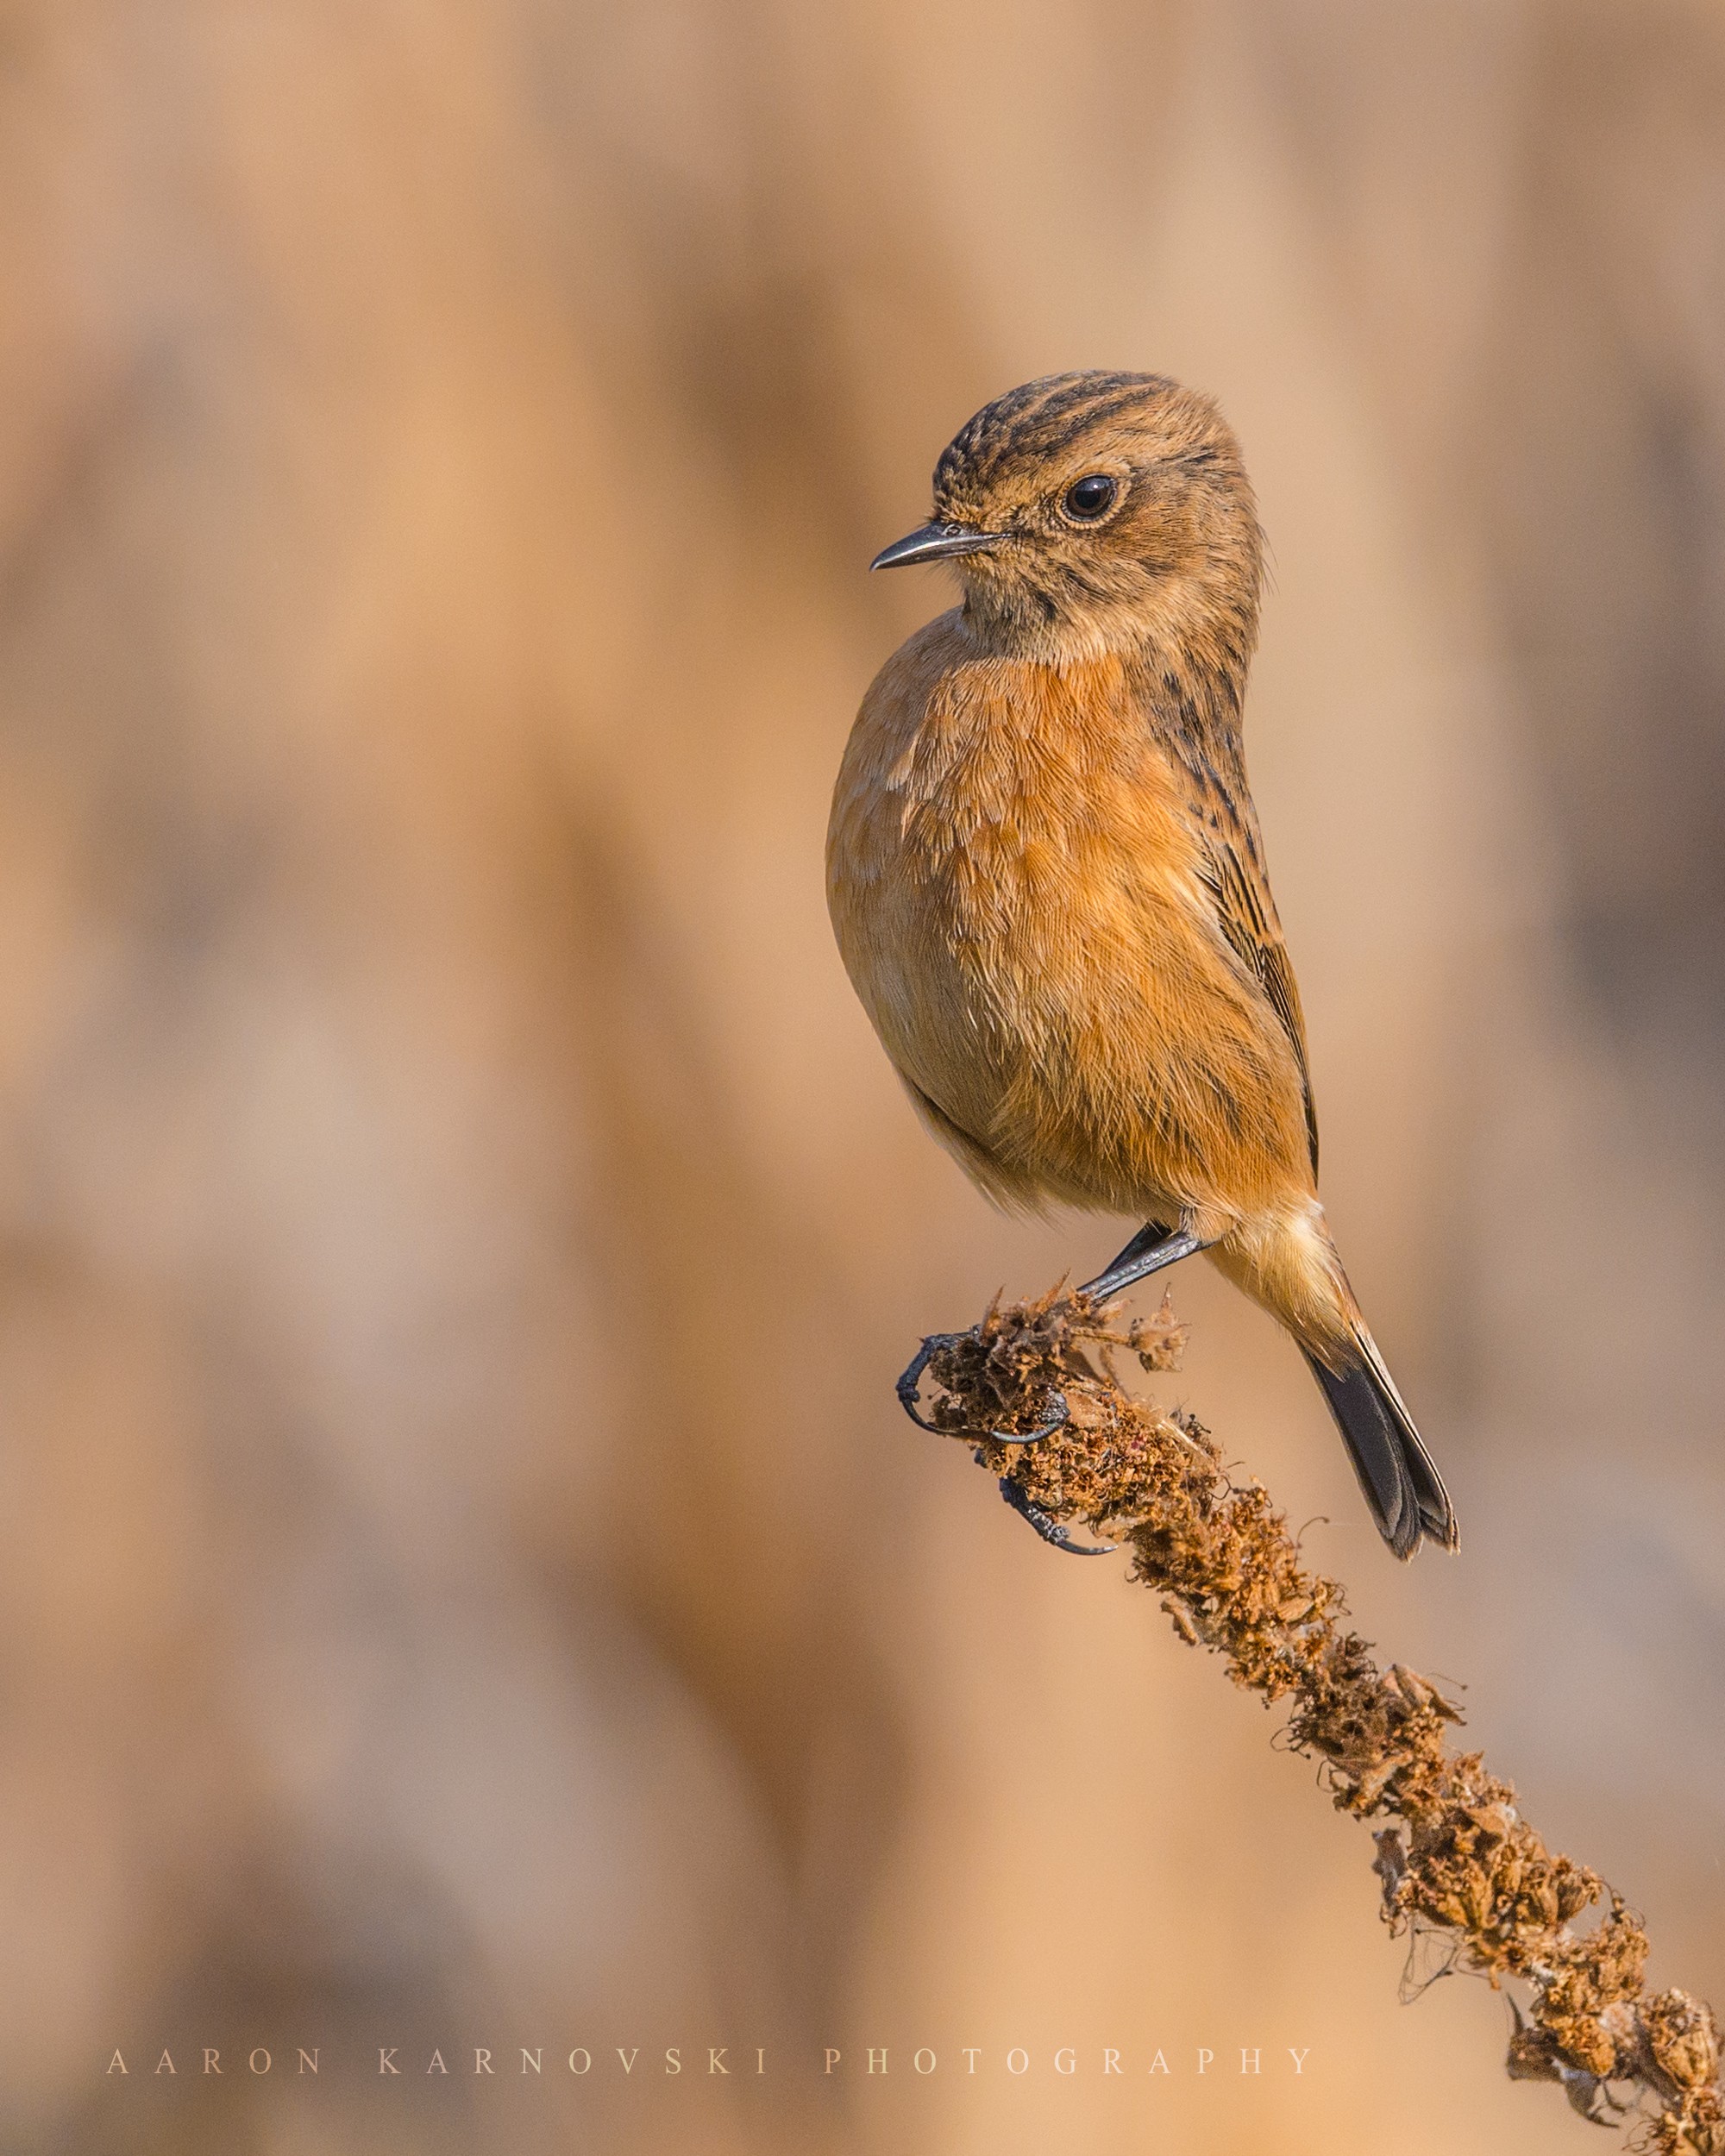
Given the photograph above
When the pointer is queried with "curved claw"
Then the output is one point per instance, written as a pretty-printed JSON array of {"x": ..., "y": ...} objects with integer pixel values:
[
  {"x": 1052, "y": 1533},
  {"x": 910, "y": 1381}
]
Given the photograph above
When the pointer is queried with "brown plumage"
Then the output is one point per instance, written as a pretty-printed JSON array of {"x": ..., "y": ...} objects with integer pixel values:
[{"x": 1048, "y": 885}]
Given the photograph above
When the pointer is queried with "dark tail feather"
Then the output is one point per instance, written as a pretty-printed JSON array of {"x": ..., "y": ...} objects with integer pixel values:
[{"x": 1402, "y": 1484}]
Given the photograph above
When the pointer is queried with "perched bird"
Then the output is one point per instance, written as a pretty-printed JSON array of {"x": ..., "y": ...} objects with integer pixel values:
[{"x": 1045, "y": 876}]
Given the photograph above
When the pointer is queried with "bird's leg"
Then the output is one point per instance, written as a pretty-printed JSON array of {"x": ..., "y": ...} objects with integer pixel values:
[
  {"x": 1149, "y": 1250},
  {"x": 1051, "y": 1530},
  {"x": 910, "y": 1380}
]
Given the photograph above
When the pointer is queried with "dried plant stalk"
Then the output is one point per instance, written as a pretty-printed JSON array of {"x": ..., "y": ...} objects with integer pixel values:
[{"x": 1457, "y": 1858}]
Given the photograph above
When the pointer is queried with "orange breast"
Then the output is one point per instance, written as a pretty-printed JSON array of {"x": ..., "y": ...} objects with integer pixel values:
[{"x": 1013, "y": 881}]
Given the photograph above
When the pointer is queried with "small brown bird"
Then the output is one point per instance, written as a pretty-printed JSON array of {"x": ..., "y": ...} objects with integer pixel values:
[{"x": 1046, "y": 879}]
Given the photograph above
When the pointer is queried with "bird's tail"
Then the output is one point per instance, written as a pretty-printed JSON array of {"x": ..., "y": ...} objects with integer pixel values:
[{"x": 1400, "y": 1479}]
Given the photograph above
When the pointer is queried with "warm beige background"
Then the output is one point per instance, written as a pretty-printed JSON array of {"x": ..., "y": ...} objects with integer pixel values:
[{"x": 464, "y": 1577}]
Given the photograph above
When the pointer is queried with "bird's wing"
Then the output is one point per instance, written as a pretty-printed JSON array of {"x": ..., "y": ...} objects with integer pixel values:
[{"x": 1232, "y": 865}]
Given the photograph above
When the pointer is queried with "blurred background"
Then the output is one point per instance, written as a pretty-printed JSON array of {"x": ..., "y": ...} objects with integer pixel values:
[{"x": 465, "y": 1579}]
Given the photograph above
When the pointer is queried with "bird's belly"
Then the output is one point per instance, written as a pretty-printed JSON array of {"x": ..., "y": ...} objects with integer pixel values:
[{"x": 1064, "y": 1006}]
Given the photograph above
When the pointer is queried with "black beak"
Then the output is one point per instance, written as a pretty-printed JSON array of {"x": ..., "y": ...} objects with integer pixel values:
[{"x": 935, "y": 543}]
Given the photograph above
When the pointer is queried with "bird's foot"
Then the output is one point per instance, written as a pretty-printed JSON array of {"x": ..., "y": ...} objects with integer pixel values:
[
  {"x": 1051, "y": 1530},
  {"x": 910, "y": 1382}
]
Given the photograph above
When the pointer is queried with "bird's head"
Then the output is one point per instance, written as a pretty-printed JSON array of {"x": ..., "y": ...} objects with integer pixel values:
[{"x": 1093, "y": 512}]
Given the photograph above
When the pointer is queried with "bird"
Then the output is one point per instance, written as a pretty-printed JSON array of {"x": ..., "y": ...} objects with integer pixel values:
[{"x": 1047, "y": 882}]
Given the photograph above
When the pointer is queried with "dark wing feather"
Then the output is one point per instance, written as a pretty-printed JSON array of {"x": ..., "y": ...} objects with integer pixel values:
[{"x": 1233, "y": 867}]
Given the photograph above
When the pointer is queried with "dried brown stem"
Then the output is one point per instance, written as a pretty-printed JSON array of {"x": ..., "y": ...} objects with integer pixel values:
[{"x": 1457, "y": 1858}]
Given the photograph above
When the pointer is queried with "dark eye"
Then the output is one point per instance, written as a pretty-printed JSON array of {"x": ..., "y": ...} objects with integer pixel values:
[{"x": 1088, "y": 498}]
